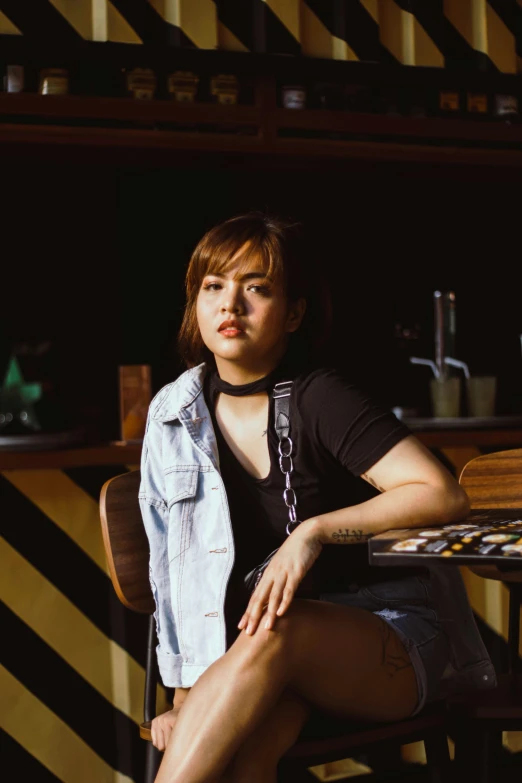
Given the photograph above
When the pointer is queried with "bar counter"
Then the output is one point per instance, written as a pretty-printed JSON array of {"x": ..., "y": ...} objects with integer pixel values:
[
  {"x": 88, "y": 456},
  {"x": 489, "y": 433}
]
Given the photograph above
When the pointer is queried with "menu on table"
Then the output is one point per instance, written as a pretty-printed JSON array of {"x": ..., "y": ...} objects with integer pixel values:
[{"x": 485, "y": 536}]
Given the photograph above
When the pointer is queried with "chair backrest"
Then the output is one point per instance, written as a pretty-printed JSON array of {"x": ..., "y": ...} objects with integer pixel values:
[
  {"x": 495, "y": 481},
  {"x": 125, "y": 540}
]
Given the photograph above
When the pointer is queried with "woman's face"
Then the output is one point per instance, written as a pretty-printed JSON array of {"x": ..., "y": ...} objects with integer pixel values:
[{"x": 244, "y": 317}]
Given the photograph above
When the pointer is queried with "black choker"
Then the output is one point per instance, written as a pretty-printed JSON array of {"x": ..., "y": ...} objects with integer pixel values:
[{"x": 241, "y": 390}]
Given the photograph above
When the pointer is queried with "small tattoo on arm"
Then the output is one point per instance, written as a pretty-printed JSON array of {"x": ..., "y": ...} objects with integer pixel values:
[
  {"x": 392, "y": 660},
  {"x": 368, "y": 478},
  {"x": 347, "y": 536}
]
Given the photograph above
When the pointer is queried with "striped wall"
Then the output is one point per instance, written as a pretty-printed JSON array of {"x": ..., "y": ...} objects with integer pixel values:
[
  {"x": 72, "y": 659},
  {"x": 433, "y": 33}
]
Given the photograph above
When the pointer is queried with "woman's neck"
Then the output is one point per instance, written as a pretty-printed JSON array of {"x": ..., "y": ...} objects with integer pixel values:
[{"x": 239, "y": 374}]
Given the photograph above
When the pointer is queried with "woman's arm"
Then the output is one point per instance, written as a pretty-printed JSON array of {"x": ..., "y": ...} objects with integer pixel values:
[
  {"x": 416, "y": 491},
  {"x": 180, "y": 694}
]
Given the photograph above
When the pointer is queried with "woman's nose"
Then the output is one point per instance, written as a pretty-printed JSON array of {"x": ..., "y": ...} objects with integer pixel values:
[
  {"x": 231, "y": 302},
  {"x": 231, "y": 307}
]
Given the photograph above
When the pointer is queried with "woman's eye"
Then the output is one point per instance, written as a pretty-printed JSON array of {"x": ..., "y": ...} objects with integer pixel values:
[{"x": 259, "y": 289}]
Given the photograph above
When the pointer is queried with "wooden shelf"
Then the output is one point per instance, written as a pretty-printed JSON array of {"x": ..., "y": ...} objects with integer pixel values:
[
  {"x": 441, "y": 439},
  {"x": 105, "y": 454},
  {"x": 259, "y": 129}
]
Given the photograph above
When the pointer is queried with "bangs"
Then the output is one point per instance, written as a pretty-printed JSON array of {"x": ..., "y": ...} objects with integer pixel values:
[
  {"x": 254, "y": 255},
  {"x": 227, "y": 245}
]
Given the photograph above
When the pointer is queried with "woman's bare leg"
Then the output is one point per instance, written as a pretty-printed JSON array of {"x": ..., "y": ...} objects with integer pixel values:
[
  {"x": 340, "y": 659},
  {"x": 257, "y": 759}
]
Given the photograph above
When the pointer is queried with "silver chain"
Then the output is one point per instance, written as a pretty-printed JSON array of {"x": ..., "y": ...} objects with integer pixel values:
[{"x": 286, "y": 464}]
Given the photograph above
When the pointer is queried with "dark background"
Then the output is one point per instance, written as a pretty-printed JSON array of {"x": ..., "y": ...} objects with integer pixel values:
[{"x": 95, "y": 250}]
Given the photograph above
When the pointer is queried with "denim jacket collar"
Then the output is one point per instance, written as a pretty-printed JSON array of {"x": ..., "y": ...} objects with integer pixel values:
[{"x": 175, "y": 397}]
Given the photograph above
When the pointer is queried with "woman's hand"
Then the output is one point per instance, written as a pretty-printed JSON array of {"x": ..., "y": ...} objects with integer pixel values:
[
  {"x": 282, "y": 577},
  {"x": 162, "y": 726}
]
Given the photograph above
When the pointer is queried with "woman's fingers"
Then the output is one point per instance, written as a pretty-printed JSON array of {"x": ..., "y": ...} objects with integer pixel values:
[
  {"x": 167, "y": 731},
  {"x": 162, "y": 744},
  {"x": 256, "y": 611},
  {"x": 243, "y": 623},
  {"x": 157, "y": 734},
  {"x": 275, "y": 595},
  {"x": 256, "y": 606},
  {"x": 274, "y": 602},
  {"x": 161, "y": 729},
  {"x": 288, "y": 595}
]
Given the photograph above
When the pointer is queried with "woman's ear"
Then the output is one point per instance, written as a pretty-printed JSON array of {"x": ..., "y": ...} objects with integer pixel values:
[{"x": 295, "y": 314}]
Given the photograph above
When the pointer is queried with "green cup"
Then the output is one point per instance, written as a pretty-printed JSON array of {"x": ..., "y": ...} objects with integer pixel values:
[
  {"x": 482, "y": 392},
  {"x": 445, "y": 397}
]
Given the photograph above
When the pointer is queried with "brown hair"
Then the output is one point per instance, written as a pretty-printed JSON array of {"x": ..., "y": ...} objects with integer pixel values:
[{"x": 281, "y": 246}]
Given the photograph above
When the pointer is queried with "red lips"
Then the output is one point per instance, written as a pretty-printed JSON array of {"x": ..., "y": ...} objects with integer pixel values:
[{"x": 231, "y": 325}]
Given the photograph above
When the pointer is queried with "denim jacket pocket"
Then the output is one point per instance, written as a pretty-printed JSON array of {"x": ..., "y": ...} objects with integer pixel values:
[{"x": 181, "y": 484}]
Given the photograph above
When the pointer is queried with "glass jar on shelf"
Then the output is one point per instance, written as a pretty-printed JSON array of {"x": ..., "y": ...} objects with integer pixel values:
[
  {"x": 293, "y": 96},
  {"x": 54, "y": 81},
  {"x": 224, "y": 89},
  {"x": 477, "y": 104},
  {"x": 505, "y": 107},
  {"x": 14, "y": 78},
  {"x": 183, "y": 86},
  {"x": 449, "y": 104},
  {"x": 141, "y": 83}
]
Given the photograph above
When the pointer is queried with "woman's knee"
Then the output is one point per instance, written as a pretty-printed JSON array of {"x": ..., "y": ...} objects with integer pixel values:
[
  {"x": 265, "y": 642},
  {"x": 284, "y": 642}
]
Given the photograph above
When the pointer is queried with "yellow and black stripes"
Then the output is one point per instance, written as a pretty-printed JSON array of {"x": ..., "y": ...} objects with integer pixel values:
[
  {"x": 21, "y": 765},
  {"x": 53, "y": 743},
  {"x": 40, "y": 20},
  {"x": 356, "y": 25},
  {"x": 490, "y": 28},
  {"x": 68, "y": 567},
  {"x": 151, "y": 26},
  {"x": 504, "y": 26},
  {"x": 68, "y": 695},
  {"x": 197, "y": 22},
  {"x": 74, "y": 655},
  {"x": 7, "y": 27},
  {"x": 483, "y": 34},
  {"x": 259, "y": 27}
]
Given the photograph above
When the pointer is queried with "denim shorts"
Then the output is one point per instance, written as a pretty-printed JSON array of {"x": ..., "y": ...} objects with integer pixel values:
[{"x": 407, "y": 606}]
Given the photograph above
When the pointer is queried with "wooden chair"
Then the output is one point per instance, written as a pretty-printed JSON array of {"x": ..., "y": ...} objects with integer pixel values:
[
  {"x": 492, "y": 481},
  {"x": 324, "y": 739}
]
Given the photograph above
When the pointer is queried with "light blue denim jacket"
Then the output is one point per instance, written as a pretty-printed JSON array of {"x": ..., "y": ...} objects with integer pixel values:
[{"x": 186, "y": 516}]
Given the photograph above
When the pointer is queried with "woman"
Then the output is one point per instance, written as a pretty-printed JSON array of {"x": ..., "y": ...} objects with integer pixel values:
[{"x": 373, "y": 644}]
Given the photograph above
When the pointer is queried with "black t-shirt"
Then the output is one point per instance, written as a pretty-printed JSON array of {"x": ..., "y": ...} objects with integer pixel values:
[{"x": 338, "y": 433}]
